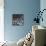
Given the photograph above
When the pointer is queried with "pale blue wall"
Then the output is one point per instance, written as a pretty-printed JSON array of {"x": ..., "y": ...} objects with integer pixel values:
[{"x": 28, "y": 8}]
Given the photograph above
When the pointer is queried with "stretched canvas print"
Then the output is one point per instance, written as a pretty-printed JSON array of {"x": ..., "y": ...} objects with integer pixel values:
[{"x": 18, "y": 19}]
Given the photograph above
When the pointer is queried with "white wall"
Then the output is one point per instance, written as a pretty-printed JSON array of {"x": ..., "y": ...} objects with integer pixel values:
[{"x": 1, "y": 20}]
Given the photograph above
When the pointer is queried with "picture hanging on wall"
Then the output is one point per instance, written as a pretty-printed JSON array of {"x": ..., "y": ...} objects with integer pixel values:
[{"x": 17, "y": 19}]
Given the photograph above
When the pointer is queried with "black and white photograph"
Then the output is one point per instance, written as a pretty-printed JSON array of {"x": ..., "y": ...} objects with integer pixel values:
[{"x": 18, "y": 19}]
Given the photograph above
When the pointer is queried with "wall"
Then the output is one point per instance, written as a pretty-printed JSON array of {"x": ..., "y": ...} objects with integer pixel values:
[
  {"x": 43, "y": 6},
  {"x": 26, "y": 7},
  {"x": 1, "y": 20}
]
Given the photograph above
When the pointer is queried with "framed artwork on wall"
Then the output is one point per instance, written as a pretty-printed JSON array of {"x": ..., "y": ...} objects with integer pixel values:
[{"x": 17, "y": 19}]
